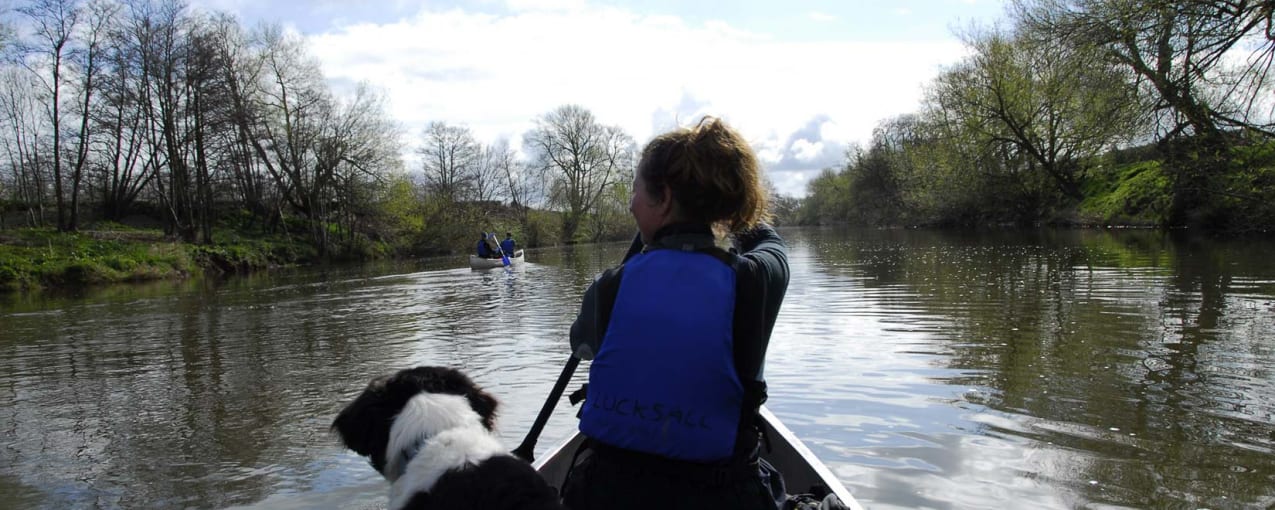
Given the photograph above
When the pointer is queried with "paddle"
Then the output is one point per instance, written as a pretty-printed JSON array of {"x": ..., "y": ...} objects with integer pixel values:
[
  {"x": 504, "y": 258},
  {"x": 526, "y": 450}
]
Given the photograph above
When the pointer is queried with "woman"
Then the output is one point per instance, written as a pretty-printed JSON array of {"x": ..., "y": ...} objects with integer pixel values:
[{"x": 680, "y": 333}]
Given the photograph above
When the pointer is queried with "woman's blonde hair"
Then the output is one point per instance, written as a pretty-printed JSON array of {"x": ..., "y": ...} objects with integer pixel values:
[{"x": 712, "y": 172}]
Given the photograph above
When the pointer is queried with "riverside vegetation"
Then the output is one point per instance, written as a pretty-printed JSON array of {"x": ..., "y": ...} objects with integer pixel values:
[
  {"x": 1083, "y": 112},
  {"x": 156, "y": 140}
]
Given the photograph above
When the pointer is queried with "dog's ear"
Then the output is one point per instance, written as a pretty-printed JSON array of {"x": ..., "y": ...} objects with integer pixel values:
[
  {"x": 485, "y": 405},
  {"x": 364, "y": 424}
]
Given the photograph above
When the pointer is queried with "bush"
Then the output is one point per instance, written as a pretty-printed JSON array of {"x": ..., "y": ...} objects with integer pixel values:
[{"x": 543, "y": 228}]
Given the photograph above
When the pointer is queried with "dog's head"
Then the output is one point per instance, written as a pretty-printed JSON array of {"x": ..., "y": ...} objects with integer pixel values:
[{"x": 423, "y": 400}]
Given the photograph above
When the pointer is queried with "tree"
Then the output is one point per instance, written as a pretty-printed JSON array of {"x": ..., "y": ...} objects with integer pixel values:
[
  {"x": 357, "y": 152},
  {"x": 25, "y": 145},
  {"x": 87, "y": 60},
  {"x": 170, "y": 71},
  {"x": 241, "y": 67},
  {"x": 1049, "y": 106},
  {"x": 450, "y": 159},
  {"x": 523, "y": 184},
  {"x": 584, "y": 158},
  {"x": 489, "y": 171},
  {"x": 1179, "y": 50},
  {"x": 1203, "y": 64},
  {"x": 125, "y": 161},
  {"x": 784, "y": 208},
  {"x": 826, "y": 198},
  {"x": 54, "y": 23}
]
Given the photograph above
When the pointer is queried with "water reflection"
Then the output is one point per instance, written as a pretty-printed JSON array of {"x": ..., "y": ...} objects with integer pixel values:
[
  {"x": 1121, "y": 369},
  {"x": 1049, "y": 369}
]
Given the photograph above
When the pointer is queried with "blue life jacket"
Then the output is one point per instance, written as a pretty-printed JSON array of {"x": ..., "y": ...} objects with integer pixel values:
[
  {"x": 483, "y": 250},
  {"x": 664, "y": 379},
  {"x": 507, "y": 246}
]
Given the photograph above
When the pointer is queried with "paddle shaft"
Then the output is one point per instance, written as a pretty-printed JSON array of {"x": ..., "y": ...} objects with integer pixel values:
[
  {"x": 526, "y": 450},
  {"x": 504, "y": 257}
]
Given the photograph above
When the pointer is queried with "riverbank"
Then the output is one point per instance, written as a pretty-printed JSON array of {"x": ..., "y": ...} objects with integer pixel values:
[{"x": 44, "y": 258}]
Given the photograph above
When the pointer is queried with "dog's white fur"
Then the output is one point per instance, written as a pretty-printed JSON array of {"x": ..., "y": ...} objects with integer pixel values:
[{"x": 451, "y": 436}]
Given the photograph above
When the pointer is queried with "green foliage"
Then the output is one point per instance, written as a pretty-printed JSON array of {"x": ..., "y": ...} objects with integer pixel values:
[
  {"x": 1232, "y": 191},
  {"x": 401, "y": 209},
  {"x": 827, "y": 199},
  {"x": 1133, "y": 194},
  {"x": 542, "y": 228},
  {"x": 611, "y": 220},
  {"x": 1243, "y": 195},
  {"x": 874, "y": 197}
]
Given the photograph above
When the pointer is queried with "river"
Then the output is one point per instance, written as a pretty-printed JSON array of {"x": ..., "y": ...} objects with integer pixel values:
[{"x": 1041, "y": 369}]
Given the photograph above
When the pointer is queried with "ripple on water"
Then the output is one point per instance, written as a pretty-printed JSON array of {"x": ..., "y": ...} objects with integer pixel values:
[{"x": 928, "y": 369}]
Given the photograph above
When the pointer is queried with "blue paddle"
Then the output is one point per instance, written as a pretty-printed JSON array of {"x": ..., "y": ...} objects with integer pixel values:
[{"x": 504, "y": 258}]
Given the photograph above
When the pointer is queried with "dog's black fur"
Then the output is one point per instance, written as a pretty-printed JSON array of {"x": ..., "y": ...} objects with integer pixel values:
[{"x": 497, "y": 481}]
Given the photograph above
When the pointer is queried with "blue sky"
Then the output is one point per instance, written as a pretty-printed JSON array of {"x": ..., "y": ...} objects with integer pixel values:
[{"x": 801, "y": 79}]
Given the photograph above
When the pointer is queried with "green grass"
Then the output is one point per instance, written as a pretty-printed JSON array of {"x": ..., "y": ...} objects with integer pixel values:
[
  {"x": 1133, "y": 194},
  {"x": 31, "y": 258}
]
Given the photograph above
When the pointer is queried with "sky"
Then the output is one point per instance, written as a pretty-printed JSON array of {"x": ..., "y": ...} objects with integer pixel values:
[{"x": 803, "y": 80}]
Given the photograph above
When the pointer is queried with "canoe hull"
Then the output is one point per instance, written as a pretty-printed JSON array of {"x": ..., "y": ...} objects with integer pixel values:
[
  {"x": 476, "y": 262},
  {"x": 799, "y": 466}
]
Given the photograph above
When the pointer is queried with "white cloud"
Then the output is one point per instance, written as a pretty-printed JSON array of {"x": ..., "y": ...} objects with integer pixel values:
[
  {"x": 806, "y": 151},
  {"x": 498, "y": 73}
]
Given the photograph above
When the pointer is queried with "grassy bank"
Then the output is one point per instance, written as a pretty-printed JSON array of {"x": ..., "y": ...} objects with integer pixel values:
[
  {"x": 1237, "y": 195},
  {"x": 31, "y": 258}
]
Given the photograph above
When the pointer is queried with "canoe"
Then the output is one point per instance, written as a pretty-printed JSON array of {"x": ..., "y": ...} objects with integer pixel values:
[
  {"x": 476, "y": 262},
  {"x": 799, "y": 466}
]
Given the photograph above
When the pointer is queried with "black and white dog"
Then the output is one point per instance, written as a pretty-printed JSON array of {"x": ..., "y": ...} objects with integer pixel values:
[{"x": 428, "y": 430}]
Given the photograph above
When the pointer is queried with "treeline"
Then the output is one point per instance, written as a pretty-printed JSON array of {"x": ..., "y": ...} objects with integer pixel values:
[
  {"x": 111, "y": 109},
  {"x": 1155, "y": 112}
]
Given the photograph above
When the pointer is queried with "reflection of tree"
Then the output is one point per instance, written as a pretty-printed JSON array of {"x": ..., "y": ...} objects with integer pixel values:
[
  {"x": 221, "y": 392},
  {"x": 1124, "y": 347}
]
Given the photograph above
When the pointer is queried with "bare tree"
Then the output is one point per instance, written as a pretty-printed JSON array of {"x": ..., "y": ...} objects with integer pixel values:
[
  {"x": 54, "y": 23},
  {"x": 124, "y": 159},
  {"x": 241, "y": 67},
  {"x": 293, "y": 103},
  {"x": 584, "y": 157},
  {"x": 311, "y": 142},
  {"x": 160, "y": 30},
  {"x": 358, "y": 147},
  {"x": 450, "y": 157},
  {"x": 523, "y": 185},
  {"x": 489, "y": 174},
  {"x": 87, "y": 58},
  {"x": 25, "y": 144}
]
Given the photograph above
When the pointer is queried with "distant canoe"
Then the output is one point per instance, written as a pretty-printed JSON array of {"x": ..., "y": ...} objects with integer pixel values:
[{"x": 476, "y": 262}]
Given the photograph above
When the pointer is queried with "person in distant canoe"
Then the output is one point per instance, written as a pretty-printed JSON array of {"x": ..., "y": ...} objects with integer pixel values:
[
  {"x": 484, "y": 250},
  {"x": 493, "y": 246},
  {"x": 507, "y": 245},
  {"x": 678, "y": 335}
]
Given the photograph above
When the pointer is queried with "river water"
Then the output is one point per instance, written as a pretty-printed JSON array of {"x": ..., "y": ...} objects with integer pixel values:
[{"x": 1042, "y": 369}]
